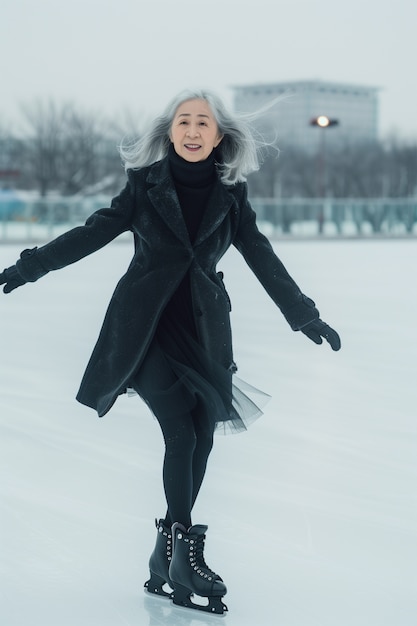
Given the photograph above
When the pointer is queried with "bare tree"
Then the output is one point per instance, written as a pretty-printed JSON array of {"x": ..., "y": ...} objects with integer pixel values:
[
  {"x": 46, "y": 126},
  {"x": 10, "y": 157},
  {"x": 374, "y": 170},
  {"x": 66, "y": 149}
]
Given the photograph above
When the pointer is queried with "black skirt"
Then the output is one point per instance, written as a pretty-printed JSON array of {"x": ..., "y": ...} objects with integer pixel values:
[{"x": 177, "y": 374}]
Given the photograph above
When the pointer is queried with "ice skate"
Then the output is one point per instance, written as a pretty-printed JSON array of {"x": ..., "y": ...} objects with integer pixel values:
[
  {"x": 190, "y": 574},
  {"x": 159, "y": 562}
]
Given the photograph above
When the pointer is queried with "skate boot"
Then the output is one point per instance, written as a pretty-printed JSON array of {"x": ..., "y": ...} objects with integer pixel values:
[
  {"x": 159, "y": 562},
  {"x": 190, "y": 574}
]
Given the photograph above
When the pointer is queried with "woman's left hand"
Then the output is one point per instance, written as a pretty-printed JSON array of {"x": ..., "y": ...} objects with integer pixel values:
[{"x": 317, "y": 329}]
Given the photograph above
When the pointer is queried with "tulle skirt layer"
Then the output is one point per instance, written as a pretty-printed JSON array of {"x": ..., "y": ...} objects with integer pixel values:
[{"x": 177, "y": 374}]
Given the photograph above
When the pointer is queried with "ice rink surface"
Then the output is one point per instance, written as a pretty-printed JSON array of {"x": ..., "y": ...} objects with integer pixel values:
[{"x": 311, "y": 513}]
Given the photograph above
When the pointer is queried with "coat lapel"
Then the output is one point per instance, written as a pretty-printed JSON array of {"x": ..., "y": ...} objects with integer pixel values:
[
  {"x": 165, "y": 200},
  {"x": 218, "y": 206}
]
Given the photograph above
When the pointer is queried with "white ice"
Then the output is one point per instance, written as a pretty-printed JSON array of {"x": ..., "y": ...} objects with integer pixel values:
[{"x": 311, "y": 513}]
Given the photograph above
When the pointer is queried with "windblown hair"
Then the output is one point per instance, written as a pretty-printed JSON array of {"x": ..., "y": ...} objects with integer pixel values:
[{"x": 239, "y": 150}]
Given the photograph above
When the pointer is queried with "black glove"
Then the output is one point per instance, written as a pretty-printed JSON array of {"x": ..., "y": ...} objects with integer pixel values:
[
  {"x": 11, "y": 279},
  {"x": 305, "y": 317},
  {"x": 317, "y": 329}
]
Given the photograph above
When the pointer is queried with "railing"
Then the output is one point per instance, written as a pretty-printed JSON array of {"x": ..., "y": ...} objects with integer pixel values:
[
  {"x": 30, "y": 218},
  {"x": 27, "y": 217},
  {"x": 338, "y": 216}
]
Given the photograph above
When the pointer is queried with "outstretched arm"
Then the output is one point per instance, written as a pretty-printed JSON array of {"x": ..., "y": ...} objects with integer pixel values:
[
  {"x": 299, "y": 310},
  {"x": 100, "y": 228}
]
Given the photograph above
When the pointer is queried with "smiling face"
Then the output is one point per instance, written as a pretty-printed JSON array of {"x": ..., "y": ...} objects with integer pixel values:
[{"x": 194, "y": 131}]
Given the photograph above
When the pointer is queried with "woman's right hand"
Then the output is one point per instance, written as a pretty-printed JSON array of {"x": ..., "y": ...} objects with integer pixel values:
[{"x": 11, "y": 279}]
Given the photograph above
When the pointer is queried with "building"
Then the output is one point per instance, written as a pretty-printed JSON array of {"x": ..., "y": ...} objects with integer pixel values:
[{"x": 354, "y": 107}]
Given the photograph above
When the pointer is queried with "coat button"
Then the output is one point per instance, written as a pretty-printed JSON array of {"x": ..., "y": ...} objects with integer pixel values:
[{"x": 199, "y": 312}]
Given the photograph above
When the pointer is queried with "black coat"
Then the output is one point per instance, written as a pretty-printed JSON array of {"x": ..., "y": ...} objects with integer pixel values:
[{"x": 149, "y": 207}]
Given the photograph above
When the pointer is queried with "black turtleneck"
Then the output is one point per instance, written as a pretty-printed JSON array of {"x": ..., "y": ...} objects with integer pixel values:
[{"x": 193, "y": 183}]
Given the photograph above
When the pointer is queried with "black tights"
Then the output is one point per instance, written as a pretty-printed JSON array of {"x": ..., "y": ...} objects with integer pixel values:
[
  {"x": 188, "y": 443},
  {"x": 188, "y": 434}
]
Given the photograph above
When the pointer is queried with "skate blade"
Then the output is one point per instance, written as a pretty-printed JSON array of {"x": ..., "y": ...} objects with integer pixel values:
[
  {"x": 155, "y": 586},
  {"x": 182, "y": 597}
]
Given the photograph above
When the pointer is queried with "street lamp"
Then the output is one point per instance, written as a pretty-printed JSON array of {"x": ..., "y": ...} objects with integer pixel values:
[{"x": 322, "y": 122}]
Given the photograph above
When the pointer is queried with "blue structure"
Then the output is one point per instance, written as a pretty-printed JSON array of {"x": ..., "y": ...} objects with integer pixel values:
[{"x": 10, "y": 204}]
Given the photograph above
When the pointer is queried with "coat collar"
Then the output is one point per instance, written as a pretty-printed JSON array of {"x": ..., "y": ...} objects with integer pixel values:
[{"x": 165, "y": 200}]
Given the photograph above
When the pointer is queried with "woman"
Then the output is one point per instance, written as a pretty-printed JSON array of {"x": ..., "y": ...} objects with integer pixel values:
[{"x": 167, "y": 332}]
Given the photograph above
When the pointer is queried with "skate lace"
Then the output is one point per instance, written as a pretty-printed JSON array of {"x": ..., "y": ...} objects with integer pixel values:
[{"x": 199, "y": 557}]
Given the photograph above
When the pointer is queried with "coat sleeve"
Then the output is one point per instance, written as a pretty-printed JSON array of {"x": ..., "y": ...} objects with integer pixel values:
[
  {"x": 258, "y": 253},
  {"x": 100, "y": 228}
]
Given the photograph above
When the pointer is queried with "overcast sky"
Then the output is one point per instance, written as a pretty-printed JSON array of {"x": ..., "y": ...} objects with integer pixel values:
[{"x": 112, "y": 55}]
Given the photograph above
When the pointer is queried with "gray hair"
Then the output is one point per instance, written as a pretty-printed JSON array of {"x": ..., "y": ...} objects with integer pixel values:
[{"x": 239, "y": 148}]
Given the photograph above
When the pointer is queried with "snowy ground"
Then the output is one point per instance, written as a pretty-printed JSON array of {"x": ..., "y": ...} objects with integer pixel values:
[{"x": 311, "y": 514}]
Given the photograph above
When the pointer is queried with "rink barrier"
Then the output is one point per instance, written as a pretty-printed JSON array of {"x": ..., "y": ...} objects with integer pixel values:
[{"x": 35, "y": 219}]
